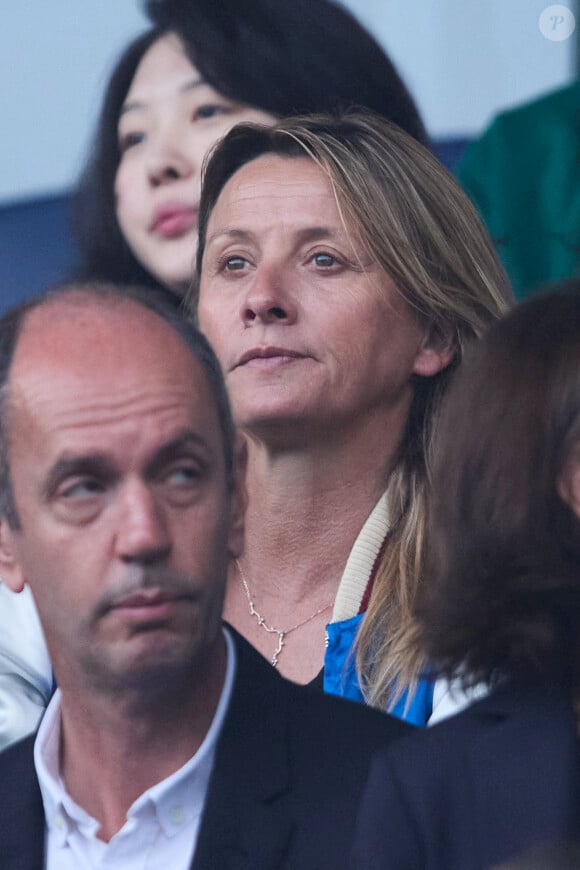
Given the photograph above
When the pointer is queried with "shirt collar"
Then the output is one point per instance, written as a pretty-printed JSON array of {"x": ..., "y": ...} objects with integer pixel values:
[
  {"x": 176, "y": 800},
  {"x": 360, "y": 563}
]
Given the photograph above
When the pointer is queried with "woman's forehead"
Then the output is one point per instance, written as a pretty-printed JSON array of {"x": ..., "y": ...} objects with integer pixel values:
[{"x": 163, "y": 69}]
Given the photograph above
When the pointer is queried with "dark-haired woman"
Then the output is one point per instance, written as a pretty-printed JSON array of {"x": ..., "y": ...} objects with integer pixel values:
[
  {"x": 502, "y": 606},
  {"x": 201, "y": 68}
]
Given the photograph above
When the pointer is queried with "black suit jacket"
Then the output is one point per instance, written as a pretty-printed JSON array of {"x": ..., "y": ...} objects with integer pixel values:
[
  {"x": 289, "y": 770},
  {"x": 476, "y": 790}
]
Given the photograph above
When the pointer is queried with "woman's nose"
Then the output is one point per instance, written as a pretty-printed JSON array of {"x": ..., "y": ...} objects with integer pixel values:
[
  {"x": 168, "y": 167},
  {"x": 168, "y": 163},
  {"x": 268, "y": 300}
]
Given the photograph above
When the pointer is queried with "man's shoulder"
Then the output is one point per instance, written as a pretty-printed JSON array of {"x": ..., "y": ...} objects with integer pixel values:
[
  {"x": 20, "y": 799},
  {"x": 303, "y": 759},
  {"x": 347, "y": 715},
  {"x": 318, "y": 716},
  {"x": 16, "y": 763},
  {"x": 21, "y": 811},
  {"x": 18, "y": 781}
]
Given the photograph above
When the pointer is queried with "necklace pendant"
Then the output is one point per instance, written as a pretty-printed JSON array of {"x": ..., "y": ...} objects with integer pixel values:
[
  {"x": 271, "y": 629},
  {"x": 278, "y": 650}
]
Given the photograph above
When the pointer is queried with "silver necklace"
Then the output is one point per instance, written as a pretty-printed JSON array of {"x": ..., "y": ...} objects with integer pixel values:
[{"x": 282, "y": 634}]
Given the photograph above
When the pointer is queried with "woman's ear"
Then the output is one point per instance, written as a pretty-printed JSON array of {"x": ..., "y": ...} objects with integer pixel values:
[
  {"x": 10, "y": 570},
  {"x": 438, "y": 349}
]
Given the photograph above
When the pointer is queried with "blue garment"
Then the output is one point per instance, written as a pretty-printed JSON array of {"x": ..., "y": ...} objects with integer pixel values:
[{"x": 340, "y": 676}]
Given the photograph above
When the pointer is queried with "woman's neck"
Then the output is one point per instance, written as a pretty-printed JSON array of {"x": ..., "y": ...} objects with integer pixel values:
[
  {"x": 306, "y": 509},
  {"x": 304, "y": 514}
]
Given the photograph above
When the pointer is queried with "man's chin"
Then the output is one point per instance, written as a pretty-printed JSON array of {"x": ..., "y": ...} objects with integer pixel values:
[{"x": 158, "y": 661}]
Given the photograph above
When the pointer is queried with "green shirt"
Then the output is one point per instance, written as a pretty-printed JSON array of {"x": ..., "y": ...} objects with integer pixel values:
[{"x": 523, "y": 175}]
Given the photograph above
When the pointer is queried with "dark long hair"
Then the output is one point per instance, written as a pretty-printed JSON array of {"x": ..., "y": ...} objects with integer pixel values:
[
  {"x": 503, "y": 595},
  {"x": 282, "y": 56}
]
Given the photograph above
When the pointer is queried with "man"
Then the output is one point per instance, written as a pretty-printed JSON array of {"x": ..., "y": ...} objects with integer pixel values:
[{"x": 170, "y": 743}]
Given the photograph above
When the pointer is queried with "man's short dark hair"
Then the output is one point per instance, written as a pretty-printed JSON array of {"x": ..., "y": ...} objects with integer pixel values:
[{"x": 11, "y": 325}]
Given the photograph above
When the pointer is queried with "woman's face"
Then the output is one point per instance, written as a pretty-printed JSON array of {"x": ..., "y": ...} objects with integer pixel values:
[
  {"x": 309, "y": 332},
  {"x": 169, "y": 120}
]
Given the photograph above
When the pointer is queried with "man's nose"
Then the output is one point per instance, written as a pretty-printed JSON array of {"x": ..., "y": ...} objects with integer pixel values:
[{"x": 142, "y": 533}]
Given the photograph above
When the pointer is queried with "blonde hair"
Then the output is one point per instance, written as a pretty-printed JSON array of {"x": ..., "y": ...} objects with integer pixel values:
[{"x": 417, "y": 224}]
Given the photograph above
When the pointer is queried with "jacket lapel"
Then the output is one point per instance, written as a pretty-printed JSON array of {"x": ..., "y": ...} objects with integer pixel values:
[{"x": 246, "y": 821}]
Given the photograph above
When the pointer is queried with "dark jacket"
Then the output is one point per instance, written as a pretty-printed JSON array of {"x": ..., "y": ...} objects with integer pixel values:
[
  {"x": 478, "y": 789},
  {"x": 289, "y": 770}
]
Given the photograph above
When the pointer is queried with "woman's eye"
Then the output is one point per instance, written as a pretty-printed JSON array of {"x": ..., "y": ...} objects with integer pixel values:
[
  {"x": 129, "y": 140},
  {"x": 209, "y": 111},
  {"x": 325, "y": 260},
  {"x": 235, "y": 264}
]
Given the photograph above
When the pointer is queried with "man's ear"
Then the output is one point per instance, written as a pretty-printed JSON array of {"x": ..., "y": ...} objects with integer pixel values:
[
  {"x": 437, "y": 350},
  {"x": 239, "y": 499},
  {"x": 10, "y": 570}
]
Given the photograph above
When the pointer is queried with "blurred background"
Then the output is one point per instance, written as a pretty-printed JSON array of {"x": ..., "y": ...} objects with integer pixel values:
[{"x": 463, "y": 62}]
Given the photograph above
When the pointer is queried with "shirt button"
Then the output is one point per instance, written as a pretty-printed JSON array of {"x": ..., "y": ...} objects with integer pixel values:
[
  {"x": 59, "y": 822},
  {"x": 176, "y": 815}
]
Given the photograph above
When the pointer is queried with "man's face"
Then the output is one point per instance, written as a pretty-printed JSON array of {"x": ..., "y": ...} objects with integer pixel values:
[{"x": 117, "y": 466}]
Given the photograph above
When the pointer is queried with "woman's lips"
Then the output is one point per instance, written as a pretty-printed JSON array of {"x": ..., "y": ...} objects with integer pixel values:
[
  {"x": 172, "y": 221},
  {"x": 268, "y": 357}
]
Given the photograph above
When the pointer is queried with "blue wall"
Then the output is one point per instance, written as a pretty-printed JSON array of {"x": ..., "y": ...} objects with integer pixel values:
[{"x": 36, "y": 248}]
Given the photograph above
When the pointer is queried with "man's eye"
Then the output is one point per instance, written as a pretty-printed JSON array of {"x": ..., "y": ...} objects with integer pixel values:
[
  {"x": 183, "y": 476},
  {"x": 80, "y": 489}
]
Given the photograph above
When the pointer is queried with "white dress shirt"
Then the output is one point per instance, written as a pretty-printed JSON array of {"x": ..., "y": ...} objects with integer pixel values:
[{"x": 162, "y": 825}]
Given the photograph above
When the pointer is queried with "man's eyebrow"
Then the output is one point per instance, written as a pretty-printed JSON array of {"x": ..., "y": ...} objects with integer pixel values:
[
  {"x": 101, "y": 466},
  {"x": 131, "y": 105},
  {"x": 94, "y": 464},
  {"x": 184, "y": 441}
]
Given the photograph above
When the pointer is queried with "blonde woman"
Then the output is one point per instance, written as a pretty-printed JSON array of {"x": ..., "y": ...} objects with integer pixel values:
[{"x": 341, "y": 271}]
